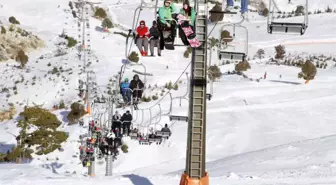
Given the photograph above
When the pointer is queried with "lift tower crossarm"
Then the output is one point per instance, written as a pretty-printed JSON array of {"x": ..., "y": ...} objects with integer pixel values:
[{"x": 195, "y": 173}]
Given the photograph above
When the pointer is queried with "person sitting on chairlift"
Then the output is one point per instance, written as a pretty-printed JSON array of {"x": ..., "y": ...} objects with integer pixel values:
[
  {"x": 155, "y": 39},
  {"x": 189, "y": 13},
  {"x": 127, "y": 122},
  {"x": 165, "y": 129},
  {"x": 243, "y": 8},
  {"x": 136, "y": 86},
  {"x": 166, "y": 18},
  {"x": 142, "y": 38},
  {"x": 116, "y": 122},
  {"x": 126, "y": 91}
]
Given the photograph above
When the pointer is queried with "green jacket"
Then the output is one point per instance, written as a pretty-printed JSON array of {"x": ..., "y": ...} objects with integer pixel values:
[
  {"x": 166, "y": 13},
  {"x": 192, "y": 17}
]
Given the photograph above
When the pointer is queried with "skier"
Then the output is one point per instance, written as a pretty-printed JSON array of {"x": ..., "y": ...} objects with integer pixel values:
[
  {"x": 126, "y": 91},
  {"x": 116, "y": 123},
  {"x": 166, "y": 19},
  {"x": 189, "y": 13},
  {"x": 265, "y": 75},
  {"x": 243, "y": 8},
  {"x": 127, "y": 121},
  {"x": 165, "y": 129},
  {"x": 136, "y": 86},
  {"x": 142, "y": 38},
  {"x": 154, "y": 38}
]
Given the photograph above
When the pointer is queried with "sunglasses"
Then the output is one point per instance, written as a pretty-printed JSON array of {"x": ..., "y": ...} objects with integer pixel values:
[{"x": 142, "y": 24}]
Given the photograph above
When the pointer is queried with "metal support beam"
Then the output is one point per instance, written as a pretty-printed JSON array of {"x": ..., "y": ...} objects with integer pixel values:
[
  {"x": 109, "y": 165},
  {"x": 195, "y": 173}
]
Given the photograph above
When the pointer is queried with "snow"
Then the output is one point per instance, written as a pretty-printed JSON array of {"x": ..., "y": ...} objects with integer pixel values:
[{"x": 276, "y": 131}]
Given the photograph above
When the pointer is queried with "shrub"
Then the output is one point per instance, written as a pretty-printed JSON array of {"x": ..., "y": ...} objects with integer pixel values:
[
  {"x": 3, "y": 30},
  {"x": 265, "y": 12},
  {"x": 215, "y": 72},
  {"x": 134, "y": 57},
  {"x": 215, "y": 17},
  {"x": 70, "y": 5},
  {"x": 226, "y": 36},
  {"x": 71, "y": 41},
  {"x": 155, "y": 97},
  {"x": 13, "y": 20},
  {"x": 169, "y": 85},
  {"x": 41, "y": 118},
  {"x": 308, "y": 71},
  {"x": 280, "y": 52},
  {"x": 61, "y": 105},
  {"x": 46, "y": 141},
  {"x": 17, "y": 154},
  {"x": 11, "y": 28},
  {"x": 100, "y": 13},
  {"x": 22, "y": 58},
  {"x": 186, "y": 54},
  {"x": 299, "y": 10},
  {"x": 175, "y": 87},
  {"x": 54, "y": 70},
  {"x": 77, "y": 111},
  {"x": 260, "y": 53},
  {"x": 107, "y": 23},
  {"x": 124, "y": 148},
  {"x": 74, "y": 14},
  {"x": 213, "y": 42},
  {"x": 328, "y": 10},
  {"x": 146, "y": 99},
  {"x": 242, "y": 66}
]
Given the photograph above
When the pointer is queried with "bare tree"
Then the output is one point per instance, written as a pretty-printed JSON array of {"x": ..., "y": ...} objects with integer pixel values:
[{"x": 260, "y": 53}]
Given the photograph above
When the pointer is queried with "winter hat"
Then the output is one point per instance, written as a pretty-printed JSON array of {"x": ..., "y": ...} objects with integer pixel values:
[
  {"x": 142, "y": 22},
  {"x": 126, "y": 79}
]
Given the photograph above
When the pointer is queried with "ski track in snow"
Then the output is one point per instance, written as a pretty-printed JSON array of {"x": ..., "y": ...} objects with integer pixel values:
[{"x": 283, "y": 134}]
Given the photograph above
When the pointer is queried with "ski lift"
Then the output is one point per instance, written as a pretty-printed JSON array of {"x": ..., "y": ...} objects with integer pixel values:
[
  {"x": 170, "y": 45},
  {"x": 223, "y": 46},
  {"x": 136, "y": 18},
  {"x": 286, "y": 27}
]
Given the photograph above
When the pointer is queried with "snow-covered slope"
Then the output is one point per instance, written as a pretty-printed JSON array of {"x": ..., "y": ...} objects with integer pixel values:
[{"x": 276, "y": 131}]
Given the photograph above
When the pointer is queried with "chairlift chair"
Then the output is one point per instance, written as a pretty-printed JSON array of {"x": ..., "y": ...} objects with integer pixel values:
[
  {"x": 286, "y": 27},
  {"x": 136, "y": 17},
  {"x": 232, "y": 55}
]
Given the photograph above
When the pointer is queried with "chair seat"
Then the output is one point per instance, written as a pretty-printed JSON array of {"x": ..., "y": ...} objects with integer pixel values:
[
  {"x": 232, "y": 55},
  {"x": 283, "y": 27},
  {"x": 287, "y": 24}
]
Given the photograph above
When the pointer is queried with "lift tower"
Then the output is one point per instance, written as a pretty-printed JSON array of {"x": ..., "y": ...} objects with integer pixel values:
[{"x": 195, "y": 173}]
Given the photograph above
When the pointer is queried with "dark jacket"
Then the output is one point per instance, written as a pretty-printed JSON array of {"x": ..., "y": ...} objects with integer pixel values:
[
  {"x": 126, "y": 117},
  {"x": 165, "y": 129},
  {"x": 116, "y": 117},
  {"x": 154, "y": 32},
  {"x": 136, "y": 84}
]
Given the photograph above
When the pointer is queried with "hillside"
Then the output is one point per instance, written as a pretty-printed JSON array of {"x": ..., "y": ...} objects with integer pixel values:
[{"x": 276, "y": 130}]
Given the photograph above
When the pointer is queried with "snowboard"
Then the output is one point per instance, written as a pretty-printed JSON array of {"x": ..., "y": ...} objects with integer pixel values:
[{"x": 189, "y": 33}]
